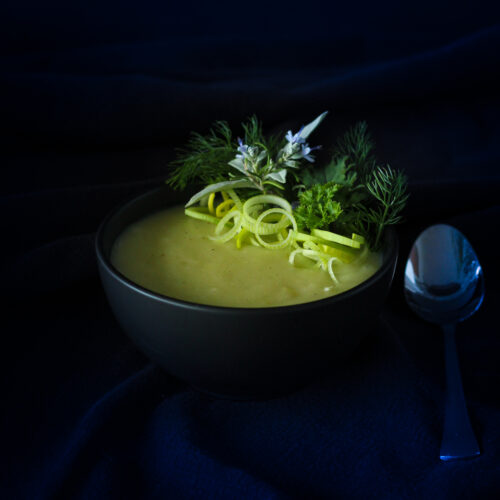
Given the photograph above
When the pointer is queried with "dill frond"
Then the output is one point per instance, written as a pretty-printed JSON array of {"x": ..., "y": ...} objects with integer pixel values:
[
  {"x": 388, "y": 188},
  {"x": 356, "y": 145},
  {"x": 205, "y": 157},
  {"x": 253, "y": 134}
]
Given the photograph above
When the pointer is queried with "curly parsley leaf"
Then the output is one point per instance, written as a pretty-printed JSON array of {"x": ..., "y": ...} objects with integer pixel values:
[{"x": 317, "y": 207}]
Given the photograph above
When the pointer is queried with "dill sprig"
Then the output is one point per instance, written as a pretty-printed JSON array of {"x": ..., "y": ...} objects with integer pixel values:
[
  {"x": 356, "y": 146},
  {"x": 204, "y": 159},
  {"x": 389, "y": 188},
  {"x": 253, "y": 133}
]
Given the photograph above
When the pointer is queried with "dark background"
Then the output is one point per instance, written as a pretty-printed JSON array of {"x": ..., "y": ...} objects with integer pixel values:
[{"x": 94, "y": 98}]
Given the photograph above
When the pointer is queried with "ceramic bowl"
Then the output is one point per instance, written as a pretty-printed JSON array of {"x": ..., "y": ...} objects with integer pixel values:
[{"x": 238, "y": 353}]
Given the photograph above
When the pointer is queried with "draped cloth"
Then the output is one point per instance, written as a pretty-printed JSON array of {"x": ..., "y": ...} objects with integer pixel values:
[{"x": 86, "y": 415}]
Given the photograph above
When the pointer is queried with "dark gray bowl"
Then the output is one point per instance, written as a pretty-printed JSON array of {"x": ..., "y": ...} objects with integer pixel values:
[{"x": 236, "y": 352}]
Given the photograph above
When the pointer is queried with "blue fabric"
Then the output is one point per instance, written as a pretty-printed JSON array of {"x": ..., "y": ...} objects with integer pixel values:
[{"x": 93, "y": 101}]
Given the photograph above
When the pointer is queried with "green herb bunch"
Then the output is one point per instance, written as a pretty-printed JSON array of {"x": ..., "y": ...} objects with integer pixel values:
[
  {"x": 352, "y": 193},
  {"x": 370, "y": 197}
]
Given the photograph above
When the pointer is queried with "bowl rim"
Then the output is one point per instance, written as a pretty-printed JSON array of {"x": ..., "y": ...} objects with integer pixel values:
[{"x": 389, "y": 259}]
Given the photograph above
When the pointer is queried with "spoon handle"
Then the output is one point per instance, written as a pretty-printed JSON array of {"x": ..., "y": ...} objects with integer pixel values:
[{"x": 458, "y": 437}]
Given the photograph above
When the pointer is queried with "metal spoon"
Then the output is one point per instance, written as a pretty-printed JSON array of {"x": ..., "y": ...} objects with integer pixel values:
[{"x": 444, "y": 285}]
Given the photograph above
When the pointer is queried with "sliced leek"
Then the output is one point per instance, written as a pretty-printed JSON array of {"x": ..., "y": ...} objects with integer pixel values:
[
  {"x": 201, "y": 213},
  {"x": 268, "y": 221},
  {"x": 336, "y": 238},
  {"x": 283, "y": 243},
  {"x": 224, "y": 207},
  {"x": 230, "y": 233}
]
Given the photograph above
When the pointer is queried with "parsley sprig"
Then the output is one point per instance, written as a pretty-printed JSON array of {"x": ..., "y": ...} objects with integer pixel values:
[{"x": 318, "y": 207}]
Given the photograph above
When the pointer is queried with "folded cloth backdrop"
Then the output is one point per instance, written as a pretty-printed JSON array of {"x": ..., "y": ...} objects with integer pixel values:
[{"x": 94, "y": 99}]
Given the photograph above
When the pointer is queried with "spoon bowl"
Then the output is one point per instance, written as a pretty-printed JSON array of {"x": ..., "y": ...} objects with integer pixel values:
[
  {"x": 444, "y": 285},
  {"x": 443, "y": 278}
]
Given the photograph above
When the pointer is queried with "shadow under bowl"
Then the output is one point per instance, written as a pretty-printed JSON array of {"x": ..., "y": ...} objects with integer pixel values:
[{"x": 238, "y": 353}]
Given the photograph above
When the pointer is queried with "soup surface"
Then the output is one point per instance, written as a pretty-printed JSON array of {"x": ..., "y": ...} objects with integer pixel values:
[{"x": 172, "y": 254}]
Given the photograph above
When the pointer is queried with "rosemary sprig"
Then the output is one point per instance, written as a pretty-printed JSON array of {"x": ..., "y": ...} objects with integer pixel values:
[{"x": 263, "y": 163}]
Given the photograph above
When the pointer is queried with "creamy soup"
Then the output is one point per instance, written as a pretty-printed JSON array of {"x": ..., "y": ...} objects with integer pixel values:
[{"x": 172, "y": 254}]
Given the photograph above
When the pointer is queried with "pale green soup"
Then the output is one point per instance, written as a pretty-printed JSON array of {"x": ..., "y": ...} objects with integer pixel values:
[{"x": 171, "y": 254}]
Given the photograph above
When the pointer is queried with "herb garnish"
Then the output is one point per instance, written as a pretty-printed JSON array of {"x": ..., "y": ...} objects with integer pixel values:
[
  {"x": 317, "y": 206},
  {"x": 388, "y": 188},
  {"x": 352, "y": 193},
  {"x": 205, "y": 158}
]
